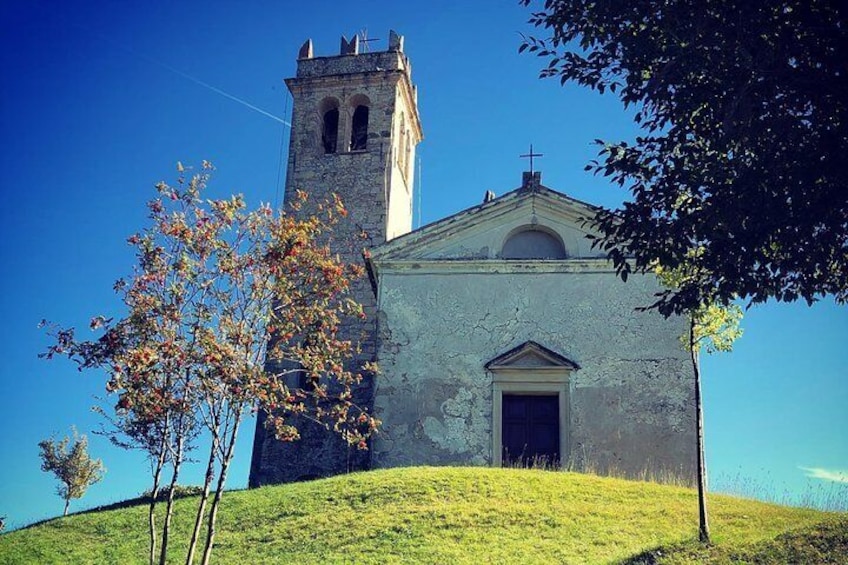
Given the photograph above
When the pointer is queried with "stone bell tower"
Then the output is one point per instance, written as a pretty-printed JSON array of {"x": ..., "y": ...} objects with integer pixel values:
[{"x": 354, "y": 129}]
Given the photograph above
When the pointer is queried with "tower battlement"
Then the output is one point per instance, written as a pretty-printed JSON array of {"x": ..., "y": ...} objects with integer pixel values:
[
  {"x": 380, "y": 61},
  {"x": 352, "y": 59}
]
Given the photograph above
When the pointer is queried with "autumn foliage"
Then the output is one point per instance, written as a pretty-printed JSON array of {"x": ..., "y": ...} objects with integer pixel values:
[{"x": 227, "y": 309}]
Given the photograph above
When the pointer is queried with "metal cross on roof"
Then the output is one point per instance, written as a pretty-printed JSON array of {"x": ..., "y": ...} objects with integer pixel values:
[{"x": 531, "y": 155}]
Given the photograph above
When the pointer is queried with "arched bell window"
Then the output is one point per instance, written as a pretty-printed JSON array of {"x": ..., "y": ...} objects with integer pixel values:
[
  {"x": 357, "y": 122},
  {"x": 359, "y": 128},
  {"x": 533, "y": 242},
  {"x": 329, "y": 124}
]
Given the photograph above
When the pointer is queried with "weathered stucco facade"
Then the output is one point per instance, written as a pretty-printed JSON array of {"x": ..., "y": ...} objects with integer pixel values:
[
  {"x": 482, "y": 321},
  {"x": 449, "y": 304}
]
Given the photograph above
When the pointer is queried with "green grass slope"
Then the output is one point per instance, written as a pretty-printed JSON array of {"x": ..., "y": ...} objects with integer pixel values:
[{"x": 455, "y": 515}]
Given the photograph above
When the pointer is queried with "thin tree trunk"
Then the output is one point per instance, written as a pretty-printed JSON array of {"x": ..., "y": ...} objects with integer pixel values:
[
  {"x": 703, "y": 521},
  {"x": 219, "y": 491},
  {"x": 169, "y": 507},
  {"x": 67, "y": 503},
  {"x": 201, "y": 507},
  {"x": 154, "y": 492}
]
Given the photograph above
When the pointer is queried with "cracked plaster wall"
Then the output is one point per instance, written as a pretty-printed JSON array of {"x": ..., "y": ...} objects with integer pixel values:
[{"x": 631, "y": 401}]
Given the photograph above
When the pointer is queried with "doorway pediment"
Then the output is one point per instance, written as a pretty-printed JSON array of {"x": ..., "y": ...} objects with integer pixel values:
[{"x": 531, "y": 355}]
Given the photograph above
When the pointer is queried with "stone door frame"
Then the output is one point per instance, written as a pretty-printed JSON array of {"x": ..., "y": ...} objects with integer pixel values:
[
  {"x": 531, "y": 368},
  {"x": 542, "y": 381}
]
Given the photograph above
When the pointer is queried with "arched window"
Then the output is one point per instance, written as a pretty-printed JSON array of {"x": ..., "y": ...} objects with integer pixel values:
[
  {"x": 533, "y": 242},
  {"x": 359, "y": 128},
  {"x": 329, "y": 125}
]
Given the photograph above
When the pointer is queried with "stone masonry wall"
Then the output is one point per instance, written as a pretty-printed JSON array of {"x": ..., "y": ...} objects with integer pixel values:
[{"x": 366, "y": 180}]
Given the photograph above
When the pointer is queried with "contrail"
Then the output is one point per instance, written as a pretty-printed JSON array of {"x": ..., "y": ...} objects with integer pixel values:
[
  {"x": 215, "y": 89},
  {"x": 181, "y": 73}
]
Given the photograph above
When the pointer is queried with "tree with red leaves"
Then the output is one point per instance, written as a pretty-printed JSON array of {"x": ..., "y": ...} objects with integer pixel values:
[{"x": 223, "y": 306}]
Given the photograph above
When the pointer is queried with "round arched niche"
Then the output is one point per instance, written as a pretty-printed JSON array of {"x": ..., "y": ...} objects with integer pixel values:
[
  {"x": 533, "y": 242},
  {"x": 358, "y": 99},
  {"x": 328, "y": 103},
  {"x": 328, "y": 110},
  {"x": 359, "y": 104}
]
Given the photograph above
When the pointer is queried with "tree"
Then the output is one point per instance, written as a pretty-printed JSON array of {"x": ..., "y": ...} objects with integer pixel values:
[
  {"x": 743, "y": 108},
  {"x": 223, "y": 306},
  {"x": 713, "y": 327},
  {"x": 73, "y": 467}
]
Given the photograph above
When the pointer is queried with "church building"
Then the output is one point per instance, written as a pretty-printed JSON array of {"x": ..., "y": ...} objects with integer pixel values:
[{"x": 502, "y": 337}]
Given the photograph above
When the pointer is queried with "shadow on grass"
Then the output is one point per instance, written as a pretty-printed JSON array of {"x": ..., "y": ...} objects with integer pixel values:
[
  {"x": 656, "y": 555},
  {"x": 822, "y": 543},
  {"x": 180, "y": 492}
]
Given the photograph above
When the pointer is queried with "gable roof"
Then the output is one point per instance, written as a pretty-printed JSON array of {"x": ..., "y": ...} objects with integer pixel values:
[
  {"x": 532, "y": 194},
  {"x": 530, "y": 354}
]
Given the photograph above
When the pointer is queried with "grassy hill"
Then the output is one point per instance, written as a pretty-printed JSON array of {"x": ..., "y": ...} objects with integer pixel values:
[{"x": 456, "y": 515}]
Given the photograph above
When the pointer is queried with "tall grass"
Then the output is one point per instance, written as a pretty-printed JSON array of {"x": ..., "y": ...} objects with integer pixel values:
[
  {"x": 824, "y": 495},
  {"x": 649, "y": 474}
]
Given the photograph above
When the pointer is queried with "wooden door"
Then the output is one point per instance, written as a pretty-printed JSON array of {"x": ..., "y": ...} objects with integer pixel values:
[{"x": 530, "y": 430}]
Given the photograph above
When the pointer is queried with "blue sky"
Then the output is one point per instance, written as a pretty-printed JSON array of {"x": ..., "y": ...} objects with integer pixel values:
[{"x": 92, "y": 114}]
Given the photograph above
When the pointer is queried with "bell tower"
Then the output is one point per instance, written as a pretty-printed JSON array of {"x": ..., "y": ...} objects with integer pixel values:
[{"x": 354, "y": 129}]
